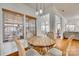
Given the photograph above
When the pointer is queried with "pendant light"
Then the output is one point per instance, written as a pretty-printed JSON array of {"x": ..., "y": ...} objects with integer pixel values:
[
  {"x": 36, "y": 9},
  {"x": 41, "y": 9}
]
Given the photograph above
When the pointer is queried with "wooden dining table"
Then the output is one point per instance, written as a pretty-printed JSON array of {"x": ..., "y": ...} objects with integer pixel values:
[{"x": 41, "y": 43}]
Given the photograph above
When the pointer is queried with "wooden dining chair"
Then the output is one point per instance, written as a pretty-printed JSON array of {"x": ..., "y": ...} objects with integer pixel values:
[
  {"x": 54, "y": 52},
  {"x": 21, "y": 49},
  {"x": 32, "y": 52},
  {"x": 51, "y": 36},
  {"x": 69, "y": 42}
]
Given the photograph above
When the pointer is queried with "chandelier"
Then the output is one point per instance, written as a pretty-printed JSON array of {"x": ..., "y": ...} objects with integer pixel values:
[{"x": 39, "y": 9}]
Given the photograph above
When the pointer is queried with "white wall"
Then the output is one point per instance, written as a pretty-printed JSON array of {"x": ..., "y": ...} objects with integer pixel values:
[
  {"x": 1, "y": 32},
  {"x": 52, "y": 22},
  {"x": 74, "y": 22},
  {"x": 21, "y": 8}
]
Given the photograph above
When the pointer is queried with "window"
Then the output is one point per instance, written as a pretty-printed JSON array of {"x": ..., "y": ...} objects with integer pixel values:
[
  {"x": 70, "y": 27},
  {"x": 13, "y": 23},
  {"x": 30, "y": 25},
  {"x": 45, "y": 23},
  {"x": 45, "y": 27},
  {"x": 42, "y": 26}
]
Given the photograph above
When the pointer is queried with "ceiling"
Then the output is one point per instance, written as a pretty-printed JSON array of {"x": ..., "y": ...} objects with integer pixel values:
[
  {"x": 68, "y": 10},
  {"x": 71, "y": 10},
  {"x": 33, "y": 5}
]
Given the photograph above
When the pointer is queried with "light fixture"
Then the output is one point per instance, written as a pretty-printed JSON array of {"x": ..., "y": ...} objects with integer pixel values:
[
  {"x": 39, "y": 9},
  {"x": 36, "y": 12}
]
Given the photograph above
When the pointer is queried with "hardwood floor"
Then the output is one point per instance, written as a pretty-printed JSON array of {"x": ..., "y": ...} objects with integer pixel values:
[{"x": 73, "y": 51}]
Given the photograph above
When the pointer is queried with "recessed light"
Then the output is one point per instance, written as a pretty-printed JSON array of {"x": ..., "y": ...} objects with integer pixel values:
[{"x": 62, "y": 10}]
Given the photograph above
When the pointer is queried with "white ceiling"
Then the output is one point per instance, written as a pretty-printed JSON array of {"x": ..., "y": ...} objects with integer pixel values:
[{"x": 71, "y": 10}]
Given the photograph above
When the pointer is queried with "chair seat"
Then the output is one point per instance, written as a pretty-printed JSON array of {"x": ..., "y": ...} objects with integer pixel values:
[
  {"x": 32, "y": 52},
  {"x": 54, "y": 52}
]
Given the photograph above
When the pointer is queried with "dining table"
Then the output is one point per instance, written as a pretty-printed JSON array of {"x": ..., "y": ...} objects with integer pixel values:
[{"x": 41, "y": 43}]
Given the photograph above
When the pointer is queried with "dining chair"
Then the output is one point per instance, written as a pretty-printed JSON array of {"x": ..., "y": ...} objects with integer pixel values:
[
  {"x": 69, "y": 45},
  {"x": 51, "y": 36},
  {"x": 20, "y": 47},
  {"x": 32, "y": 52},
  {"x": 22, "y": 51},
  {"x": 54, "y": 52},
  {"x": 29, "y": 34}
]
